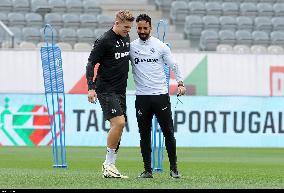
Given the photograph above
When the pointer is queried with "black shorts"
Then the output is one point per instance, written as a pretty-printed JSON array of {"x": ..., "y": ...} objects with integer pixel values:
[
  {"x": 112, "y": 105},
  {"x": 158, "y": 105}
]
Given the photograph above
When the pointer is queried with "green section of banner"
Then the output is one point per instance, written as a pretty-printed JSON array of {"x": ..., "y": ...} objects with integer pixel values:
[
  {"x": 199, "y": 77},
  {"x": 26, "y": 108},
  {"x": 20, "y": 119},
  {"x": 25, "y": 135},
  {"x": 2, "y": 117}
]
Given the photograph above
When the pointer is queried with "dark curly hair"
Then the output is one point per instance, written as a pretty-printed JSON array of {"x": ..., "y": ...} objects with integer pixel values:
[{"x": 144, "y": 17}]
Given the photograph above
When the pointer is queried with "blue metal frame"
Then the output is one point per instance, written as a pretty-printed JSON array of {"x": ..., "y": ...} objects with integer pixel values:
[
  {"x": 54, "y": 88},
  {"x": 156, "y": 127}
]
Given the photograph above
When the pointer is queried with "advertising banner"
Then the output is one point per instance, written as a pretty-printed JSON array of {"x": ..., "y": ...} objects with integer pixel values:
[{"x": 198, "y": 121}]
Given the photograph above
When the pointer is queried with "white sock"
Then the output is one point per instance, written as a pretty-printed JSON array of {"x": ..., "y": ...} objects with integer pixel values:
[
  {"x": 110, "y": 156},
  {"x": 114, "y": 158}
]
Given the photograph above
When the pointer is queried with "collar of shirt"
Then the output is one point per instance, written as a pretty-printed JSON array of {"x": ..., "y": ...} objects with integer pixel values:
[
  {"x": 147, "y": 42},
  {"x": 115, "y": 34}
]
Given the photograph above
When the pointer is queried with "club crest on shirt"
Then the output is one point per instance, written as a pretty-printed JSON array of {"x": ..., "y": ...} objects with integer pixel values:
[
  {"x": 121, "y": 43},
  {"x": 152, "y": 50},
  {"x": 117, "y": 44}
]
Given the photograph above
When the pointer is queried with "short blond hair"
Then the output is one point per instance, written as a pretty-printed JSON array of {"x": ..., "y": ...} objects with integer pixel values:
[{"x": 124, "y": 15}]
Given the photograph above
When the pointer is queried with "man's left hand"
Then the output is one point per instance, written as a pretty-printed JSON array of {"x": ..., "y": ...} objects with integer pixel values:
[{"x": 181, "y": 90}]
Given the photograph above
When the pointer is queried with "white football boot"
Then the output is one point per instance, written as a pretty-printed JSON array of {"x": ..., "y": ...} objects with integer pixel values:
[{"x": 110, "y": 171}]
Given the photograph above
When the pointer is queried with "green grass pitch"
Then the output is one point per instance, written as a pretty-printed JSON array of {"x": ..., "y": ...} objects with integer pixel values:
[{"x": 31, "y": 167}]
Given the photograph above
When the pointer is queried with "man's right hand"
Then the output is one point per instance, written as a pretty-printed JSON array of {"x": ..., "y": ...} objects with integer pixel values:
[{"x": 92, "y": 96}]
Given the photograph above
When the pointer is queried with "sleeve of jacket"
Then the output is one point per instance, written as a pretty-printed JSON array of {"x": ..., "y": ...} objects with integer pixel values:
[
  {"x": 95, "y": 57},
  {"x": 169, "y": 59}
]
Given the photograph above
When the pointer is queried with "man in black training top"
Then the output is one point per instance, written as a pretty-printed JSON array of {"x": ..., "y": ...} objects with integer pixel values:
[{"x": 111, "y": 51}]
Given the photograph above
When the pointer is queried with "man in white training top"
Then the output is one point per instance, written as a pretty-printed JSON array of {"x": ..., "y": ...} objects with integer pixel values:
[{"x": 148, "y": 56}]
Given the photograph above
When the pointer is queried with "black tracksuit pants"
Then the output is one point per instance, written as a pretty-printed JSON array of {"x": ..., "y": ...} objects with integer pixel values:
[{"x": 160, "y": 106}]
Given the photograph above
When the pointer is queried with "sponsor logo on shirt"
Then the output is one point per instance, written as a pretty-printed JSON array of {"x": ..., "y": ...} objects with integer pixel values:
[
  {"x": 118, "y": 55},
  {"x": 148, "y": 60}
]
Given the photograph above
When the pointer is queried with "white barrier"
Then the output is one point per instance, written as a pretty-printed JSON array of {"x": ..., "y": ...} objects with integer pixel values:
[{"x": 206, "y": 74}]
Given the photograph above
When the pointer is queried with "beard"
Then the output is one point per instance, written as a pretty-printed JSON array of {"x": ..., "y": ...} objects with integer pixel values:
[{"x": 143, "y": 37}]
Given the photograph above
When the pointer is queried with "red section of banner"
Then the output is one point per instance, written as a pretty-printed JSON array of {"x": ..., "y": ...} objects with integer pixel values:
[
  {"x": 81, "y": 86},
  {"x": 45, "y": 109},
  {"x": 36, "y": 108},
  {"x": 57, "y": 135},
  {"x": 40, "y": 120},
  {"x": 39, "y": 134},
  {"x": 172, "y": 75},
  {"x": 275, "y": 69}
]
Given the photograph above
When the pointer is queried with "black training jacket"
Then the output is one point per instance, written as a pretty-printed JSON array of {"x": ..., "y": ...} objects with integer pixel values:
[{"x": 111, "y": 51}]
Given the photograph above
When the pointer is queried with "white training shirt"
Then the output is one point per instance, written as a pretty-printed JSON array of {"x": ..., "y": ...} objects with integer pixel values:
[{"x": 148, "y": 59}]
